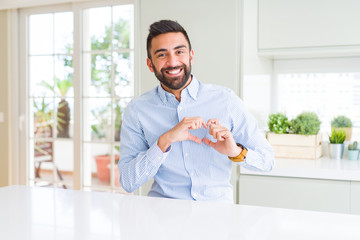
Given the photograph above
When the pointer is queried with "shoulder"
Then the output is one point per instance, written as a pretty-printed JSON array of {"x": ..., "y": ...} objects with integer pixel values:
[
  {"x": 144, "y": 99},
  {"x": 216, "y": 90}
]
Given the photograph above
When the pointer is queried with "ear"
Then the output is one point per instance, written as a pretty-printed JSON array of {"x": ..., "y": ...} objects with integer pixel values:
[
  {"x": 149, "y": 64},
  {"x": 192, "y": 56}
]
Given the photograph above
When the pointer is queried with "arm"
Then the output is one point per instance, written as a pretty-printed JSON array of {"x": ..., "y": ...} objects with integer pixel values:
[
  {"x": 139, "y": 162},
  {"x": 245, "y": 131}
]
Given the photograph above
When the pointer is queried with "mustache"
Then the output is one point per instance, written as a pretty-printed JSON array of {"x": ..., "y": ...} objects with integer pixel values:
[{"x": 171, "y": 68}]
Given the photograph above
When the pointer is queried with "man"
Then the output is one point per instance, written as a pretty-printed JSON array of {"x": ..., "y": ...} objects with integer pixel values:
[{"x": 183, "y": 133}]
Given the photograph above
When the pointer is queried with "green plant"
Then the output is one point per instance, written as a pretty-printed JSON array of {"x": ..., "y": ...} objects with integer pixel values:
[
  {"x": 278, "y": 123},
  {"x": 353, "y": 146},
  {"x": 337, "y": 136},
  {"x": 306, "y": 123},
  {"x": 101, "y": 70},
  {"x": 63, "y": 112},
  {"x": 341, "y": 121}
]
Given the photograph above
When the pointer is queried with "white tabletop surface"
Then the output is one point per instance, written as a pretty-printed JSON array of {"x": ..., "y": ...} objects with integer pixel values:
[
  {"x": 322, "y": 168},
  {"x": 47, "y": 213}
]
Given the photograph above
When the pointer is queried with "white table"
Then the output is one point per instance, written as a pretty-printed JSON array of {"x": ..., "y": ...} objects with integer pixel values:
[{"x": 46, "y": 213}]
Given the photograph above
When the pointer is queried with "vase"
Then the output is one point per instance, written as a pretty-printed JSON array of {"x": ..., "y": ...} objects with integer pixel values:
[
  {"x": 336, "y": 150},
  {"x": 353, "y": 154}
]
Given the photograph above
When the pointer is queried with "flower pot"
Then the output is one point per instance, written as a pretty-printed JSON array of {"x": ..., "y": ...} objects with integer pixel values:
[
  {"x": 102, "y": 163},
  {"x": 295, "y": 145},
  {"x": 336, "y": 150},
  {"x": 103, "y": 168},
  {"x": 353, "y": 154}
]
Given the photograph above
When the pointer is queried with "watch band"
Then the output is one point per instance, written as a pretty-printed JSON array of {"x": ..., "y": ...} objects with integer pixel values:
[{"x": 241, "y": 157}]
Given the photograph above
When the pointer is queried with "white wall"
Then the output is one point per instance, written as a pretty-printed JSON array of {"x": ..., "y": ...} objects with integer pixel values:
[
  {"x": 213, "y": 27},
  {"x": 257, "y": 70}
]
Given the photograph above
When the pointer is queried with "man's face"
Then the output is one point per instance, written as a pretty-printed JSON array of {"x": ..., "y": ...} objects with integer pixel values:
[{"x": 171, "y": 60}]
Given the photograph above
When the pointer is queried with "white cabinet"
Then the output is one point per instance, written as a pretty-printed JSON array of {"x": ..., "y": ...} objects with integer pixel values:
[
  {"x": 299, "y": 26},
  {"x": 296, "y": 193},
  {"x": 355, "y": 198}
]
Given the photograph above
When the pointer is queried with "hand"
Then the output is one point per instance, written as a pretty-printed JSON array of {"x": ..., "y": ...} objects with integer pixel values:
[
  {"x": 181, "y": 132},
  {"x": 225, "y": 143}
]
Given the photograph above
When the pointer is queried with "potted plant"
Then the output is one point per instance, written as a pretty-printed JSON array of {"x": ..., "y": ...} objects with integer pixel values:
[
  {"x": 344, "y": 123},
  {"x": 353, "y": 151},
  {"x": 300, "y": 138},
  {"x": 278, "y": 123},
  {"x": 306, "y": 123},
  {"x": 103, "y": 166},
  {"x": 337, "y": 139}
]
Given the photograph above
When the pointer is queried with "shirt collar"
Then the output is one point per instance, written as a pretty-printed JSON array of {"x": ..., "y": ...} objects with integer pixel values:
[{"x": 192, "y": 89}]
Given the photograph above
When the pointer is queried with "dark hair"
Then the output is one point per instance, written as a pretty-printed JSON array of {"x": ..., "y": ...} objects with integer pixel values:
[{"x": 161, "y": 27}]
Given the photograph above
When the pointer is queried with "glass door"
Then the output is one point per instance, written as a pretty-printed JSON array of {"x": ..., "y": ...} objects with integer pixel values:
[
  {"x": 50, "y": 98},
  {"x": 77, "y": 64}
]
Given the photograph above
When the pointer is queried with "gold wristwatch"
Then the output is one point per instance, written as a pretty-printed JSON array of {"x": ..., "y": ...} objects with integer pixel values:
[{"x": 241, "y": 157}]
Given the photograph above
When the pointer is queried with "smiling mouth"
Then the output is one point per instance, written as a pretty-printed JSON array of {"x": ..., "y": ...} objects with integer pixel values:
[{"x": 174, "y": 72}]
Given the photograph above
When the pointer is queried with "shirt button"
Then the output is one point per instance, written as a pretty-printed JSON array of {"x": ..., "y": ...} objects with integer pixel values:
[
  {"x": 180, "y": 108},
  {"x": 195, "y": 195},
  {"x": 186, "y": 154},
  {"x": 192, "y": 174}
]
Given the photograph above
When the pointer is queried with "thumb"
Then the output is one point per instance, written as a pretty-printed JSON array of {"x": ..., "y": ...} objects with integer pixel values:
[
  {"x": 209, "y": 142},
  {"x": 194, "y": 138}
]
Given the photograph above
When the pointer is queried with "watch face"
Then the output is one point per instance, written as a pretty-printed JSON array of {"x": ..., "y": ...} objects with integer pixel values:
[{"x": 242, "y": 146}]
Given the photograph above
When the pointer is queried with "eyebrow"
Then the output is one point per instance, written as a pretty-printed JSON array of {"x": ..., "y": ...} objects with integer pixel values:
[{"x": 164, "y": 50}]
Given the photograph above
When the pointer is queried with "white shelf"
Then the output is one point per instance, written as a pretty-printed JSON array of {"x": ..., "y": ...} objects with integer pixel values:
[{"x": 322, "y": 168}]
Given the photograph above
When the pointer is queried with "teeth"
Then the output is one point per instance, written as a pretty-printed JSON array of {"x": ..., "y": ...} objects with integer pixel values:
[{"x": 174, "y": 71}]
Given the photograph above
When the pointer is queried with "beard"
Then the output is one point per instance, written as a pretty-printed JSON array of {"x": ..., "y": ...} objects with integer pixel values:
[{"x": 174, "y": 83}]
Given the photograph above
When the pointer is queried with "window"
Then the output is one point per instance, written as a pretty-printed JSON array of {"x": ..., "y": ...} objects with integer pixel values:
[
  {"x": 328, "y": 87},
  {"x": 79, "y": 78}
]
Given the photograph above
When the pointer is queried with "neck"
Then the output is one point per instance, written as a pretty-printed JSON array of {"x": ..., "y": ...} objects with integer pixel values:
[{"x": 177, "y": 93}]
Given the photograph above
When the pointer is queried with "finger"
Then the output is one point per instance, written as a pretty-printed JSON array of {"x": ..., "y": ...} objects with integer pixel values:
[
  {"x": 221, "y": 135},
  {"x": 203, "y": 123},
  {"x": 209, "y": 142},
  {"x": 195, "y": 125},
  {"x": 200, "y": 122},
  {"x": 213, "y": 130},
  {"x": 213, "y": 121},
  {"x": 194, "y": 138}
]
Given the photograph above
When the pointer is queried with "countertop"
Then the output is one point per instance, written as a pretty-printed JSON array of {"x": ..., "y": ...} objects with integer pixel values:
[
  {"x": 322, "y": 168},
  {"x": 48, "y": 213}
]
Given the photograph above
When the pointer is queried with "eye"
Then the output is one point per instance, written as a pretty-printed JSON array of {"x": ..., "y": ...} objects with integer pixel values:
[
  {"x": 180, "y": 52},
  {"x": 161, "y": 55}
]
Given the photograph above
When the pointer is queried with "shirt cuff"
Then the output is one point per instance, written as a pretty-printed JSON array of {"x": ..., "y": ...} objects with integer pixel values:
[
  {"x": 156, "y": 155},
  {"x": 253, "y": 161}
]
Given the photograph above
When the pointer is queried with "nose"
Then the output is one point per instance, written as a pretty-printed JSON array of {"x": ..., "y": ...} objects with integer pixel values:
[{"x": 172, "y": 60}]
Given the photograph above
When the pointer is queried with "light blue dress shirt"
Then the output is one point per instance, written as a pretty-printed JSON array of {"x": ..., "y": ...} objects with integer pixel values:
[{"x": 188, "y": 170}]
